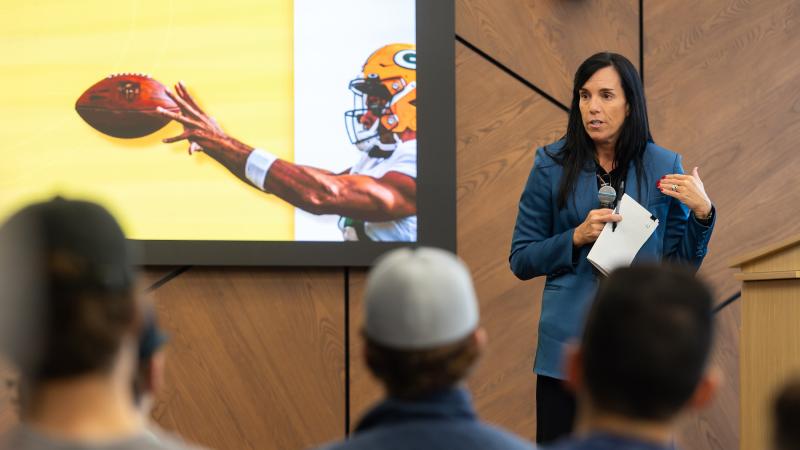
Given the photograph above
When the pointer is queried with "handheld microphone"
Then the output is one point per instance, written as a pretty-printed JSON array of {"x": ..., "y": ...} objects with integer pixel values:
[{"x": 606, "y": 195}]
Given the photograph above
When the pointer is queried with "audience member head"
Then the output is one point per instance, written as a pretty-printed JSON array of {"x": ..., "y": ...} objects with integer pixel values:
[
  {"x": 68, "y": 302},
  {"x": 644, "y": 351},
  {"x": 787, "y": 417},
  {"x": 421, "y": 322}
]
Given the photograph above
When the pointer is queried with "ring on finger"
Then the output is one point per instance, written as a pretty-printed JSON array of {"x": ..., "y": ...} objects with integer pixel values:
[{"x": 675, "y": 188}]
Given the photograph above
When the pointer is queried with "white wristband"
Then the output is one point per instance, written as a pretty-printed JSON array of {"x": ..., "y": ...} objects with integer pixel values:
[{"x": 258, "y": 164}]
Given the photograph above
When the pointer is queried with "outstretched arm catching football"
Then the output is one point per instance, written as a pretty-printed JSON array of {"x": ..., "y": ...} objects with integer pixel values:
[{"x": 318, "y": 191}]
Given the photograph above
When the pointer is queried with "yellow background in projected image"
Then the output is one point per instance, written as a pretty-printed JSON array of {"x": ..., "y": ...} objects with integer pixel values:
[{"x": 235, "y": 57}]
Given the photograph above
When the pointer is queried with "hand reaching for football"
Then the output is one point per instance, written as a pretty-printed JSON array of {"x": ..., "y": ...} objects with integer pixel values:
[{"x": 202, "y": 131}]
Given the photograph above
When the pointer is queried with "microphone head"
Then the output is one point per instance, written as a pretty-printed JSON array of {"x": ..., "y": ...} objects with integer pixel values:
[{"x": 607, "y": 195}]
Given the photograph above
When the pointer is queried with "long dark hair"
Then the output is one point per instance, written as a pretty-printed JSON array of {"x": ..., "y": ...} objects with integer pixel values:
[{"x": 578, "y": 152}]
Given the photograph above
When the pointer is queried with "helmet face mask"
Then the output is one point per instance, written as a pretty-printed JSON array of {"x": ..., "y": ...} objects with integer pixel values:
[
  {"x": 384, "y": 103},
  {"x": 375, "y": 136},
  {"x": 364, "y": 121}
]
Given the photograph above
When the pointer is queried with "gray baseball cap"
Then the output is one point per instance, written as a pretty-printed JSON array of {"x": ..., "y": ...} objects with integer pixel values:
[{"x": 419, "y": 299}]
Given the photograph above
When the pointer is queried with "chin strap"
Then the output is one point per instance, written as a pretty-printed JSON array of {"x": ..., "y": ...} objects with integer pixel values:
[
  {"x": 376, "y": 152},
  {"x": 373, "y": 145}
]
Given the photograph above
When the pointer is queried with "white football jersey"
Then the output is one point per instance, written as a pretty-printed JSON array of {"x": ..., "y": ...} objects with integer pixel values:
[{"x": 402, "y": 160}]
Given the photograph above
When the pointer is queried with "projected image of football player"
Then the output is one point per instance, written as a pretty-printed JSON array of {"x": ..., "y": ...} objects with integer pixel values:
[{"x": 376, "y": 197}]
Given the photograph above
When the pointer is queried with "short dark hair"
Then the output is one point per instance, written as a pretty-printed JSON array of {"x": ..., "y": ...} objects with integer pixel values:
[
  {"x": 646, "y": 341},
  {"x": 79, "y": 295},
  {"x": 787, "y": 417},
  {"x": 411, "y": 374},
  {"x": 579, "y": 150}
]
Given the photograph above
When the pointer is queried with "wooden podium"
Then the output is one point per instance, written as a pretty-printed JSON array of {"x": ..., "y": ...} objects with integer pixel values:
[{"x": 770, "y": 336}]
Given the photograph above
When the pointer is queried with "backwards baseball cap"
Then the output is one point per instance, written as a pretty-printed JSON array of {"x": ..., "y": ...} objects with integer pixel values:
[
  {"x": 76, "y": 244},
  {"x": 50, "y": 251},
  {"x": 419, "y": 299}
]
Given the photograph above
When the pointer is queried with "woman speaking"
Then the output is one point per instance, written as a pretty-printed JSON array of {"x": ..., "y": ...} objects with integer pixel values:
[{"x": 607, "y": 145}]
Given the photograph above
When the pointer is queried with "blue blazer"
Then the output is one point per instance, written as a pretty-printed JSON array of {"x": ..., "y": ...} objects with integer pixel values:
[{"x": 542, "y": 242}]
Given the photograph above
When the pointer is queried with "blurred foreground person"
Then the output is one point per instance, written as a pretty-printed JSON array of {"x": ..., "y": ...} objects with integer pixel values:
[
  {"x": 149, "y": 380},
  {"x": 787, "y": 417},
  {"x": 69, "y": 321},
  {"x": 642, "y": 360},
  {"x": 422, "y": 339}
]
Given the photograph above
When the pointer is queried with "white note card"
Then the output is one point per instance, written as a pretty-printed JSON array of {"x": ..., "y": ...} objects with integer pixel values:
[{"x": 617, "y": 248}]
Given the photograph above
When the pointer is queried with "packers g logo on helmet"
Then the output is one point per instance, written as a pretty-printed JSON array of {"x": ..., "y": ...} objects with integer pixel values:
[
  {"x": 406, "y": 59},
  {"x": 386, "y": 92}
]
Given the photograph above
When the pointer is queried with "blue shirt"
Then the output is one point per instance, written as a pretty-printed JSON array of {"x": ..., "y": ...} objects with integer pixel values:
[
  {"x": 603, "y": 441},
  {"x": 445, "y": 420}
]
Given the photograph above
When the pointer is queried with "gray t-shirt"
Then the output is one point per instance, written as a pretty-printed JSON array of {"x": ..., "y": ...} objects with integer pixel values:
[{"x": 24, "y": 438}]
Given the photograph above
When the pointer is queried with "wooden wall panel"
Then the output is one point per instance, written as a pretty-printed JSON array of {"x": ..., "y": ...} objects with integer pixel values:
[
  {"x": 256, "y": 358},
  {"x": 546, "y": 40},
  {"x": 721, "y": 79},
  {"x": 150, "y": 275},
  {"x": 365, "y": 390},
  {"x": 722, "y": 87},
  {"x": 500, "y": 123}
]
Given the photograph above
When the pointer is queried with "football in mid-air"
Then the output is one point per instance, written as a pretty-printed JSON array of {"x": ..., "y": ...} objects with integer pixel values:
[{"x": 124, "y": 105}]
